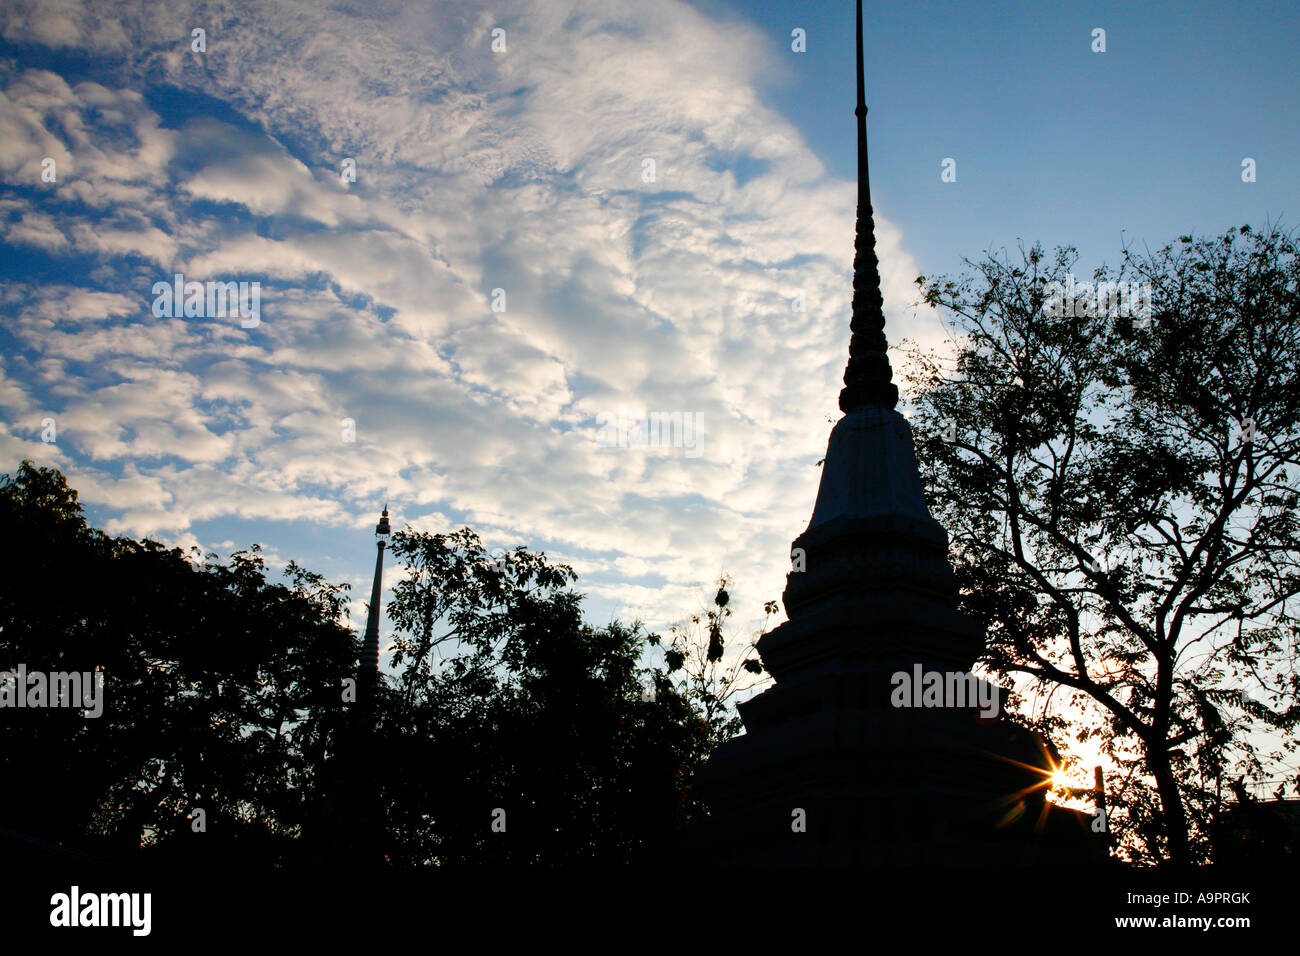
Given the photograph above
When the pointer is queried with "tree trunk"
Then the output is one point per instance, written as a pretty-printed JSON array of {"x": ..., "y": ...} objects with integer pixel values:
[{"x": 1171, "y": 804}]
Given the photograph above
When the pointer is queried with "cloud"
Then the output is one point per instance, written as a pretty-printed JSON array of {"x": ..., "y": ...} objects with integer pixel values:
[{"x": 523, "y": 172}]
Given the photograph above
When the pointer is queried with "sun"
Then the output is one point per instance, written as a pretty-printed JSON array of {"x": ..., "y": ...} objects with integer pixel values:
[{"x": 1076, "y": 771}]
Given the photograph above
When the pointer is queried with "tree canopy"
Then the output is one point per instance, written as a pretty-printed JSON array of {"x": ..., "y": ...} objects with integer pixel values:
[
  {"x": 513, "y": 731},
  {"x": 517, "y": 732},
  {"x": 215, "y": 682},
  {"x": 1120, "y": 488}
]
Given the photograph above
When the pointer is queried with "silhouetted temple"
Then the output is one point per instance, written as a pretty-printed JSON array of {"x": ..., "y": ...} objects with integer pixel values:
[{"x": 829, "y": 771}]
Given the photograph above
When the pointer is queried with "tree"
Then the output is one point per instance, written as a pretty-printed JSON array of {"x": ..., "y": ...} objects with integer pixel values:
[
  {"x": 518, "y": 733},
  {"x": 224, "y": 692},
  {"x": 696, "y": 656},
  {"x": 1121, "y": 494},
  {"x": 218, "y": 685}
]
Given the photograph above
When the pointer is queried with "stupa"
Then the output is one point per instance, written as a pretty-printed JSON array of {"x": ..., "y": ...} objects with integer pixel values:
[{"x": 839, "y": 765}]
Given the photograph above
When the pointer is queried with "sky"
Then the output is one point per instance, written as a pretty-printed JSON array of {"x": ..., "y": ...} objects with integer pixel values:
[{"x": 555, "y": 213}]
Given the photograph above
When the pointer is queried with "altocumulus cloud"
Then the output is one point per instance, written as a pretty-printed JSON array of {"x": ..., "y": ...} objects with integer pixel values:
[{"x": 476, "y": 170}]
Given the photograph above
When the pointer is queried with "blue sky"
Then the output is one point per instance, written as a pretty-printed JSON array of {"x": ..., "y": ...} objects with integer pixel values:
[
  {"x": 1053, "y": 142},
  {"x": 524, "y": 170}
]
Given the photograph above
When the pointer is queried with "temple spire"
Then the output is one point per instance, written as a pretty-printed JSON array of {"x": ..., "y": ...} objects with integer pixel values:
[
  {"x": 871, "y": 598},
  {"x": 868, "y": 378},
  {"x": 364, "y": 837},
  {"x": 369, "y": 664}
]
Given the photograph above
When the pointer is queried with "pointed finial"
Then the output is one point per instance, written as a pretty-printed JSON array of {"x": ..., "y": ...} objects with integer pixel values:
[{"x": 868, "y": 379}]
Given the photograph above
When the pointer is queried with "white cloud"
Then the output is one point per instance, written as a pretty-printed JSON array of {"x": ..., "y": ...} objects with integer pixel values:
[{"x": 475, "y": 171}]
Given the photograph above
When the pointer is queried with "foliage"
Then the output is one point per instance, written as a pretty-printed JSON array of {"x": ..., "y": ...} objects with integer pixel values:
[
  {"x": 509, "y": 708},
  {"x": 223, "y": 692},
  {"x": 1122, "y": 502},
  {"x": 215, "y": 683},
  {"x": 696, "y": 656}
]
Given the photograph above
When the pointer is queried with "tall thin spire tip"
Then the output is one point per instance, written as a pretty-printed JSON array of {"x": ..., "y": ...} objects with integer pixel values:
[{"x": 868, "y": 379}]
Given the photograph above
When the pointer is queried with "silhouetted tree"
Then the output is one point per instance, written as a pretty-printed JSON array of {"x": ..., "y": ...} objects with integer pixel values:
[
  {"x": 511, "y": 712},
  {"x": 696, "y": 656},
  {"x": 1121, "y": 492},
  {"x": 514, "y": 733},
  {"x": 216, "y": 684}
]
